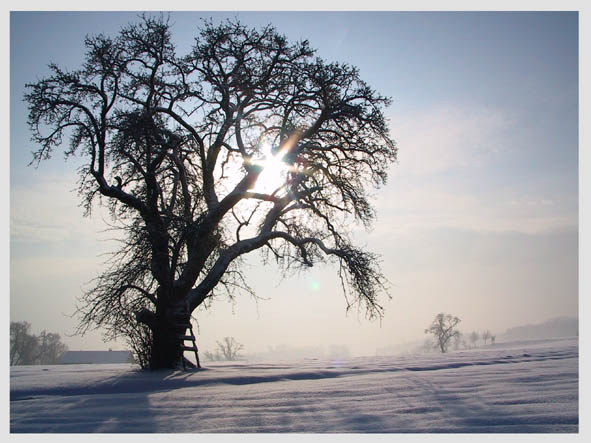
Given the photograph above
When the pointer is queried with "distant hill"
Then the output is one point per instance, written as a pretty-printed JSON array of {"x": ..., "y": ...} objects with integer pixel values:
[{"x": 554, "y": 328}]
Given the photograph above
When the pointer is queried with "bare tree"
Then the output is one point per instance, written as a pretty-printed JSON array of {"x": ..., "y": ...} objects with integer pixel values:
[
  {"x": 23, "y": 345},
  {"x": 247, "y": 142},
  {"x": 443, "y": 330},
  {"x": 229, "y": 348},
  {"x": 474, "y": 337},
  {"x": 50, "y": 348},
  {"x": 29, "y": 349},
  {"x": 485, "y": 336}
]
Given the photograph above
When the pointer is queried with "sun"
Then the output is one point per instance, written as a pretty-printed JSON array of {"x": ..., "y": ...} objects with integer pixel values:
[{"x": 274, "y": 171}]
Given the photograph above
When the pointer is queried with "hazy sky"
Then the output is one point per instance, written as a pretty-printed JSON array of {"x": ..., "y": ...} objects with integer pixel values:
[{"x": 479, "y": 218}]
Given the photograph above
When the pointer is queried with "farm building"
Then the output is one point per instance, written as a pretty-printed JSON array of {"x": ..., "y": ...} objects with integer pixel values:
[{"x": 96, "y": 357}]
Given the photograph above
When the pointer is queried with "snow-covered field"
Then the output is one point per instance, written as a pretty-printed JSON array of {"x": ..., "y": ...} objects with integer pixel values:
[{"x": 520, "y": 387}]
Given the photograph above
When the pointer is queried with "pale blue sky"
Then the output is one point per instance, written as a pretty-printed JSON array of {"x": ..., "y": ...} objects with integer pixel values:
[{"x": 480, "y": 216}]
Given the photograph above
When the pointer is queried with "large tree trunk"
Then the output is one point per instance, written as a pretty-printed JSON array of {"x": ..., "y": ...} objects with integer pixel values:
[
  {"x": 168, "y": 326},
  {"x": 166, "y": 346}
]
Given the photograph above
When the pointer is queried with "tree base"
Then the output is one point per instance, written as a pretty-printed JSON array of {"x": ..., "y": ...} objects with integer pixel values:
[{"x": 188, "y": 364}]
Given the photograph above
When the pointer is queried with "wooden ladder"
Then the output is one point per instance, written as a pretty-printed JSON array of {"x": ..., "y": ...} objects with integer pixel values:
[{"x": 193, "y": 348}]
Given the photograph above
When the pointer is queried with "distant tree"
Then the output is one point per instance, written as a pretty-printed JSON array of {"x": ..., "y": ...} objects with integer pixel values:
[
  {"x": 474, "y": 337},
  {"x": 229, "y": 348},
  {"x": 177, "y": 147},
  {"x": 486, "y": 335},
  {"x": 29, "y": 349},
  {"x": 50, "y": 348},
  {"x": 23, "y": 345},
  {"x": 443, "y": 330},
  {"x": 492, "y": 339}
]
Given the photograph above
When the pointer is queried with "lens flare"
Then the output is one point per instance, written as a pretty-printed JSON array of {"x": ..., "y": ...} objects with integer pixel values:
[{"x": 314, "y": 285}]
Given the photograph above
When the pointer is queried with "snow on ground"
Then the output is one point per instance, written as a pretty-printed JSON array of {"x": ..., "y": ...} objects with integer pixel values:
[{"x": 521, "y": 387}]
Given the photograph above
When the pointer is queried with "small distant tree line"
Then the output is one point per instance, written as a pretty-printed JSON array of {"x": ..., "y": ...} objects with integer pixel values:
[
  {"x": 445, "y": 334},
  {"x": 29, "y": 349}
]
